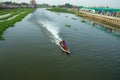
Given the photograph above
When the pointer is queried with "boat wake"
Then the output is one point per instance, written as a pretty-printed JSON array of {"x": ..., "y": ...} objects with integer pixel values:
[
  {"x": 52, "y": 31},
  {"x": 41, "y": 18}
]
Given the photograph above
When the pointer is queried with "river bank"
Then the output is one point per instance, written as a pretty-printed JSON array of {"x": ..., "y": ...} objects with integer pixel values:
[
  {"x": 15, "y": 16},
  {"x": 110, "y": 21},
  {"x": 107, "y": 20},
  {"x": 64, "y": 10}
]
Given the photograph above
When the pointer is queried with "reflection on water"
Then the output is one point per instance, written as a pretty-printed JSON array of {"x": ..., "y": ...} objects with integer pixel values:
[
  {"x": 109, "y": 30},
  {"x": 83, "y": 21},
  {"x": 2, "y": 34},
  {"x": 1, "y": 37}
]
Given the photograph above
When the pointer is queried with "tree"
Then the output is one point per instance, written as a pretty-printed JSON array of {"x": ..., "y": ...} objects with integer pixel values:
[{"x": 68, "y": 5}]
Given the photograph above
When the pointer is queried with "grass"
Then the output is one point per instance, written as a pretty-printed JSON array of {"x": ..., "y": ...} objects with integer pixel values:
[
  {"x": 67, "y": 25},
  {"x": 59, "y": 10},
  {"x": 66, "y": 16},
  {"x": 74, "y": 18},
  {"x": 83, "y": 20},
  {"x": 6, "y": 11},
  {"x": 13, "y": 13},
  {"x": 9, "y": 23}
]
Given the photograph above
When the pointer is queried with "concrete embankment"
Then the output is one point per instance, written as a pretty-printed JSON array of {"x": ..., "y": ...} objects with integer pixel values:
[{"x": 111, "y": 21}]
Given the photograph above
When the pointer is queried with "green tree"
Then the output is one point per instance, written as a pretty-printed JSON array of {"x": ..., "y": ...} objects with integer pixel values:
[{"x": 68, "y": 5}]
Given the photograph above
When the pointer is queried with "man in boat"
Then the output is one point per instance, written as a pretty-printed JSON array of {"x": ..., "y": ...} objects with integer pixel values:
[{"x": 63, "y": 43}]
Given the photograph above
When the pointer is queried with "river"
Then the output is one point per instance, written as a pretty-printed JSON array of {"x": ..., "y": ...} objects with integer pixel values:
[{"x": 30, "y": 50}]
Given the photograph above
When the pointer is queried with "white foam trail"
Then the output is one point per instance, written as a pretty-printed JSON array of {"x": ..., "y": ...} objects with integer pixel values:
[
  {"x": 53, "y": 31},
  {"x": 41, "y": 18}
]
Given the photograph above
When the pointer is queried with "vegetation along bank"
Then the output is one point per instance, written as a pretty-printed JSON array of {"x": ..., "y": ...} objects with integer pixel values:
[
  {"x": 107, "y": 20},
  {"x": 14, "y": 16}
]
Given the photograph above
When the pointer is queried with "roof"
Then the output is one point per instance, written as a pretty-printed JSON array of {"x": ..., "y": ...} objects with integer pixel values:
[{"x": 102, "y": 9}]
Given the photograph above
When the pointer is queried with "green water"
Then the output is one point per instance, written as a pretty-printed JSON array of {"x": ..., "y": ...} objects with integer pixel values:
[{"x": 30, "y": 50}]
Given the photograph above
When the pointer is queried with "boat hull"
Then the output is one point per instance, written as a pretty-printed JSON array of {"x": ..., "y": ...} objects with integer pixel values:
[{"x": 65, "y": 49}]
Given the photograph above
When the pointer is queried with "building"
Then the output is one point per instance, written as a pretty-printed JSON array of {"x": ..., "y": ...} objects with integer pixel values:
[
  {"x": 33, "y": 4},
  {"x": 10, "y": 5},
  {"x": 101, "y": 10}
]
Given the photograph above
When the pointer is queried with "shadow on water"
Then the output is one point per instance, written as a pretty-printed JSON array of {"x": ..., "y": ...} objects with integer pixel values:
[{"x": 64, "y": 53}]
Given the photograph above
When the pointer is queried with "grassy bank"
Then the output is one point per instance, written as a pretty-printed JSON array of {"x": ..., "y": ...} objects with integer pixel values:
[
  {"x": 60, "y": 10},
  {"x": 8, "y": 23},
  {"x": 6, "y": 11},
  {"x": 12, "y": 13}
]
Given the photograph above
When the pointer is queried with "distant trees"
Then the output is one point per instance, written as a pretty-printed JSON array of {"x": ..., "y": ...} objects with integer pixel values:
[{"x": 68, "y": 5}]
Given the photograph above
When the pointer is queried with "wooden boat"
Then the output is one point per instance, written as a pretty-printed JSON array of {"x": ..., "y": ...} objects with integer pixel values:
[{"x": 64, "y": 47}]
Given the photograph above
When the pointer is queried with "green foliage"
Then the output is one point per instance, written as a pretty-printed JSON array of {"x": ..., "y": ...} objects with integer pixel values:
[
  {"x": 13, "y": 13},
  {"x": 6, "y": 11},
  {"x": 9, "y": 23},
  {"x": 60, "y": 10},
  {"x": 68, "y": 5},
  {"x": 67, "y": 25},
  {"x": 66, "y": 16},
  {"x": 83, "y": 20},
  {"x": 74, "y": 18}
]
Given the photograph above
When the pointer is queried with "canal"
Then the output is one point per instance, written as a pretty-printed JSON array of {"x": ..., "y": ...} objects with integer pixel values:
[{"x": 30, "y": 49}]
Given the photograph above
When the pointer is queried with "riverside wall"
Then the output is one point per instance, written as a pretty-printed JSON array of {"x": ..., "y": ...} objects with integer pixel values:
[{"x": 111, "y": 21}]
